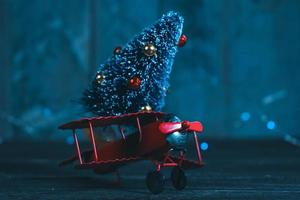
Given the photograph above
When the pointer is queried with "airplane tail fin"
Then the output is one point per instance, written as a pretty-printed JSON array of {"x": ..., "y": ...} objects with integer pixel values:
[
  {"x": 68, "y": 161},
  {"x": 86, "y": 155}
]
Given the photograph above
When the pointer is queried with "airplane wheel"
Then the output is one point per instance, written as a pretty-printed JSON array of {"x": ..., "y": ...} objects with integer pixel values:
[
  {"x": 178, "y": 178},
  {"x": 155, "y": 182}
]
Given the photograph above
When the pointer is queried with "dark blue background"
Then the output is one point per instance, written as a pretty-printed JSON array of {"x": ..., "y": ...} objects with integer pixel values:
[{"x": 238, "y": 73}]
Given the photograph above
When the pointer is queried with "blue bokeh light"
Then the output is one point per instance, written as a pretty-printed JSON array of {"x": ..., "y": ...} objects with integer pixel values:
[
  {"x": 70, "y": 140},
  {"x": 204, "y": 146},
  {"x": 245, "y": 116},
  {"x": 271, "y": 125}
]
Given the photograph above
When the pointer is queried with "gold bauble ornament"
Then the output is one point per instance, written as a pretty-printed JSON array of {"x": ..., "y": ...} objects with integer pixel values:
[
  {"x": 100, "y": 78},
  {"x": 149, "y": 49},
  {"x": 146, "y": 108}
]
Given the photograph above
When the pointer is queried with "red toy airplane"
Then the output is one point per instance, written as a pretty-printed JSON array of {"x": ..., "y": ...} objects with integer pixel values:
[{"x": 143, "y": 135}]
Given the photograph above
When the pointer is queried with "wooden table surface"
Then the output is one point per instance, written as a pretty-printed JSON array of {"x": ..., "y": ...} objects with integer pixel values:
[{"x": 234, "y": 170}]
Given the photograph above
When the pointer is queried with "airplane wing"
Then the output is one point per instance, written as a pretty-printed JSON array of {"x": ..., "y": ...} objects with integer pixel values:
[
  {"x": 107, "y": 163},
  {"x": 103, "y": 166},
  {"x": 129, "y": 118}
]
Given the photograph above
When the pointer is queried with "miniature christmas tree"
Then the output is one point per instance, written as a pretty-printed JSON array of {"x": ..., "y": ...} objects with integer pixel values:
[{"x": 136, "y": 77}]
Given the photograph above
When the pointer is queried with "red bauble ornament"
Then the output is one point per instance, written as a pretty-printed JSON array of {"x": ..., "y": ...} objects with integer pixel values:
[
  {"x": 182, "y": 40},
  {"x": 135, "y": 83},
  {"x": 117, "y": 50}
]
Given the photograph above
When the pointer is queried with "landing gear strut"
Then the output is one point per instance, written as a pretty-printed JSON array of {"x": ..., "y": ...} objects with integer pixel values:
[{"x": 155, "y": 180}]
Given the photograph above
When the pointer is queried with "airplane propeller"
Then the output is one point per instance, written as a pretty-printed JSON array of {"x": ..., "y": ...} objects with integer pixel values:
[{"x": 170, "y": 127}]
